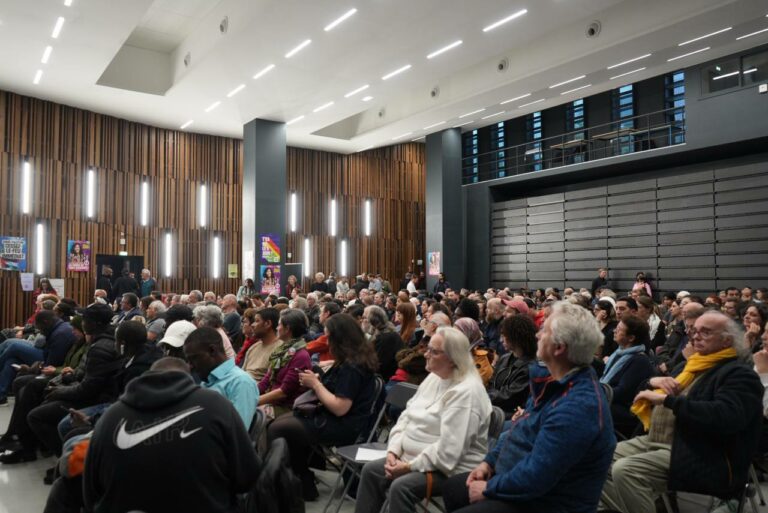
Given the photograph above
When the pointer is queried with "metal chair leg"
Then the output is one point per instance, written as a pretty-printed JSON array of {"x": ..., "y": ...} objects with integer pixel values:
[
  {"x": 753, "y": 477},
  {"x": 667, "y": 503}
]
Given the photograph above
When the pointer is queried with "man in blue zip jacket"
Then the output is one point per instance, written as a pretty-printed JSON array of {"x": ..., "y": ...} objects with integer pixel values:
[{"x": 556, "y": 455}]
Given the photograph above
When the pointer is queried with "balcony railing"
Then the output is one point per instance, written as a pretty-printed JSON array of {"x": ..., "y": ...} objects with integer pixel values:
[{"x": 625, "y": 136}]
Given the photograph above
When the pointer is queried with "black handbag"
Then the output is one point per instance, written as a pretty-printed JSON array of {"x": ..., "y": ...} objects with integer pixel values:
[{"x": 307, "y": 404}]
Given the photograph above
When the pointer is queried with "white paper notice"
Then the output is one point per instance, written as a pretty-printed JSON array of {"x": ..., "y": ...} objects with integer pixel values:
[
  {"x": 27, "y": 282},
  {"x": 370, "y": 454}
]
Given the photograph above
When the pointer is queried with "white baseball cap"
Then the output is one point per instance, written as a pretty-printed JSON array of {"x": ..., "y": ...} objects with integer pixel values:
[{"x": 177, "y": 333}]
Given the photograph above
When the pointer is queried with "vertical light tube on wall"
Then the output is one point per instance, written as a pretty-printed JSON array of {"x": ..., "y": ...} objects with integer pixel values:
[
  {"x": 144, "y": 203},
  {"x": 307, "y": 257},
  {"x": 168, "y": 267},
  {"x": 40, "y": 249},
  {"x": 90, "y": 209},
  {"x": 367, "y": 217},
  {"x": 293, "y": 212},
  {"x": 26, "y": 188},
  {"x": 216, "y": 256},
  {"x": 343, "y": 259},
  {"x": 333, "y": 217},
  {"x": 203, "y": 206}
]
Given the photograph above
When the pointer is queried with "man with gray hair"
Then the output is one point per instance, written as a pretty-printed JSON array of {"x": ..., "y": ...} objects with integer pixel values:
[
  {"x": 556, "y": 455},
  {"x": 211, "y": 316},
  {"x": 232, "y": 321},
  {"x": 155, "y": 320},
  {"x": 195, "y": 296},
  {"x": 700, "y": 438}
]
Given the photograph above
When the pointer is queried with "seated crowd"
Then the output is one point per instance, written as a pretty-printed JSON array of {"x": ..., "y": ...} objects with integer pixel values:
[{"x": 158, "y": 391}]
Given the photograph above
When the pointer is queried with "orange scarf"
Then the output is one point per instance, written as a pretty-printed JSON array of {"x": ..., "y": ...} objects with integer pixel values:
[{"x": 696, "y": 364}]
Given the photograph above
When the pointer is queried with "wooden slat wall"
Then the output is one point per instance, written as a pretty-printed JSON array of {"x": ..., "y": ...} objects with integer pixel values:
[
  {"x": 393, "y": 178},
  {"x": 62, "y": 143}
]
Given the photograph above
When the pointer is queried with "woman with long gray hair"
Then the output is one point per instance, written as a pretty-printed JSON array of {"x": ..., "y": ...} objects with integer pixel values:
[{"x": 386, "y": 340}]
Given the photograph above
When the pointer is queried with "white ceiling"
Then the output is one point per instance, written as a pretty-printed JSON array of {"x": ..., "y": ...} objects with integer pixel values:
[{"x": 543, "y": 47}]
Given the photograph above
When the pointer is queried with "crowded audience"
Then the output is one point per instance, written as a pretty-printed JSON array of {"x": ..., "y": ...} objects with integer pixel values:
[{"x": 682, "y": 382}]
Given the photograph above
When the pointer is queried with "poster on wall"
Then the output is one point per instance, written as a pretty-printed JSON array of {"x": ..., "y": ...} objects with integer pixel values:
[
  {"x": 270, "y": 248},
  {"x": 13, "y": 254},
  {"x": 270, "y": 279},
  {"x": 78, "y": 256},
  {"x": 27, "y": 282},
  {"x": 58, "y": 286},
  {"x": 434, "y": 263},
  {"x": 232, "y": 271}
]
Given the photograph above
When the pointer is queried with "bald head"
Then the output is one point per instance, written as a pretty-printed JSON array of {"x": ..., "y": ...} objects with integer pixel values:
[
  {"x": 440, "y": 319},
  {"x": 494, "y": 310}
]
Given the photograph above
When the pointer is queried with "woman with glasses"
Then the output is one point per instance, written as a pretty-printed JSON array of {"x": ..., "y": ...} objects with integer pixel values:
[{"x": 442, "y": 432}]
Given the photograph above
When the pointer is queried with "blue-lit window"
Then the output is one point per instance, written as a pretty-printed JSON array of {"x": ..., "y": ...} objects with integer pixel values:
[
  {"x": 574, "y": 124},
  {"x": 623, "y": 115},
  {"x": 674, "y": 98},
  {"x": 499, "y": 155},
  {"x": 470, "y": 166},
  {"x": 533, "y": 133}
]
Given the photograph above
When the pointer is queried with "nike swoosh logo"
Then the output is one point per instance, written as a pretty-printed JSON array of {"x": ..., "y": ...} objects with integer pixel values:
[
  {"x": 185, "y": 434},
  {"x": 125, "y": 440}
]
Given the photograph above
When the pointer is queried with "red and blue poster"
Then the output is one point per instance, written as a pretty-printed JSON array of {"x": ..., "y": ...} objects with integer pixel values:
[
  {"x": 13, "y": 254},
  {"x": 270, "y": 248},
  {"x": 270, "y": 279}
]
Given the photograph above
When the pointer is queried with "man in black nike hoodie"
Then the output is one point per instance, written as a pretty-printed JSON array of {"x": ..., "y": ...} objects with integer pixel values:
[{"x": 168, "y": 445}]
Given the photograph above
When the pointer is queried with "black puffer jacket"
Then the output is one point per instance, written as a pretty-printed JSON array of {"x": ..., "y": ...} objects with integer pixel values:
[
  {"x": 717, "y": 427},
  {"x": 509, "y": 386}
]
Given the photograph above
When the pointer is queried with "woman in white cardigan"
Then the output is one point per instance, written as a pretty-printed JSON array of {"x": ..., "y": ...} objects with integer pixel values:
[{"x": 443, "y": 430}]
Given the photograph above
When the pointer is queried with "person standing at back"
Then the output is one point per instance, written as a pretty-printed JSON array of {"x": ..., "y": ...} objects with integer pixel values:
[{"x": 601, "y": 282}]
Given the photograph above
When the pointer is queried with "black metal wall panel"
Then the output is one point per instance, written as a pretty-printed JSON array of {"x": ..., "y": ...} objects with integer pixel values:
[{"x": 700, "y": 231}]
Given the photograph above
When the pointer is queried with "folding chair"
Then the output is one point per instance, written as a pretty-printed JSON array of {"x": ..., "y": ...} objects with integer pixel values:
[
  {"x": 398, "y": 397},
  {"x": 495, "y": 426},
  {"x": 258, "y": 424}
]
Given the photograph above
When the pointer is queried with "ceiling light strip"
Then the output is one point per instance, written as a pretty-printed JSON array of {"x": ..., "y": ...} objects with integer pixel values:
[
  {"x": 688, "y": 54},
  {"x": 212, "y": 106},
  {"x": 264, "y": 72},
  {"x": 505, "y": 20},
  {"x": 574, "y": 79},
  {"x": 462, "y": 124},
  {"x": 531, "y": 103},
  {"x": 295, "y": 120},
  {"x": 434, "y": 125},
  {"x": 358, "y": 90},
  {"x": 445, "y": 49},
  {"x": 46, "y": 54},
  {"x": 185, "y": 125},
  {"x": 396, "y": 72},
  {"x": 751, "y": 34},
  {"x": 402, "y": 135},
  {"x": 235, "y": 90},
  {"x": 368, "y": 98},
  {"x": 323, "y": 107},
  {"x": 628, "y": 73},
  {"x": 493, "y": 115},
  {"x": 340, "y": 19},
  {"x": 629, "y": 61},
  {"x": 576, "y": 89},
  {"x": 470, "y": 113},
  {"x": 38, "y": 76},
  {"x": 516, "y": 98},
  {"x": 57, "y": 28},
  {"x": 704, "y": 36},
  {"x": 298, "y": 48},
  {"x": 726, "y": 75}
]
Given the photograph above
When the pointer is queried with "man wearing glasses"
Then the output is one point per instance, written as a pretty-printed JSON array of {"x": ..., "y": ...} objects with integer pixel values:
[{"x": 703, "y": 425}]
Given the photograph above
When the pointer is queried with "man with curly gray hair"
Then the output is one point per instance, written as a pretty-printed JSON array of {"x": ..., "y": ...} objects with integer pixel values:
[{"x": 212, "y": 317}]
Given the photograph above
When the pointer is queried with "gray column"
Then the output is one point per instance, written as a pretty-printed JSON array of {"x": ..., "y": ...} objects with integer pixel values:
[
  {"x": 264, "y": 190},
  {"x": 445, "y": 209}
]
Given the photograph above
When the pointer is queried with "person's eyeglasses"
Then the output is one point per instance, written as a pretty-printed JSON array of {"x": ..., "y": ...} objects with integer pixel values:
[
  {"x": 703, "y": 332},
  {"x": 435, "y": 352}
]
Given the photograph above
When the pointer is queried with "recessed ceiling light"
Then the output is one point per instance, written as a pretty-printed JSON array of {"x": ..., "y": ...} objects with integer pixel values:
[
  {"x": 444, "y": 49},
  {"x": 689, "y": 53},
  {"x": 338, "y": 20},
  {"x": 574, "y": 79},
  {"x": 46, "y": 54},
  {"x": 212, "y": 106},
  {"x": 358, "y": 90},
  {"x": 505, "y": 20},
  {"x": 57, "y": 27},
  {"x": 531, "y": 103},
  {"x": 294, "y": 120},
  {"x": 751, "y": 34},
  {"x": 402, "y": 135},
  {"x": 264, "y": 72},
  {"x": 492, "y": 115},
  {"x": 516, "y": 98},
  {"x": 235, "y": 90},
  {"x": 725, "y": 75},
  {"x": 367, "y": 98},
  {"x": 705, "y": 36},
  {"x": 462, "y": 124},
  {"x": 628, "y": 61},
  {"x": 576, "y": 89},
  {"x": 299, "y": 48},
  {"x": 323, "y": 107},
  {"x": 470, "y": 113},
  {"x": 67, "y": 3},
  {"x": 396, "y": 72},
  {"x": 38, "y": 76},
  {"x": 185, "y": 125},
  {"x": 433, "y": 126},
  {"x": 628, "y": 73}
]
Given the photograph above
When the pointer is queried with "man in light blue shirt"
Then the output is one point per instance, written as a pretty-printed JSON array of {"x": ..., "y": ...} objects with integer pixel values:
[{"x": 204, "y": 351}]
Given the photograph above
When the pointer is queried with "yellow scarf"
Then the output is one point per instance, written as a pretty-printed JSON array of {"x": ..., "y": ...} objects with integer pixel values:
[{"x": 696, "y": 364}]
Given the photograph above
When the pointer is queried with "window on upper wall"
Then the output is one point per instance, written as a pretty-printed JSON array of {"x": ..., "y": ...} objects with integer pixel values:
[
  {"x": 533, "y": 133},
  {"x": 721, "y": 76},
  {"x": 674, "y": 104},
  {"x": 499, "y": 156},
  {"x": 755, "y": 68},
  {"x": 623, "y": 100},
  {"x": 574, "y": 125},
  {"x": 470, "y": 158}
]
